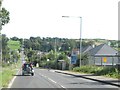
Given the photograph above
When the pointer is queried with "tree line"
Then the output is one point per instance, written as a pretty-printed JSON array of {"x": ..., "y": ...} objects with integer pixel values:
[{"x": 37, "y": 49}]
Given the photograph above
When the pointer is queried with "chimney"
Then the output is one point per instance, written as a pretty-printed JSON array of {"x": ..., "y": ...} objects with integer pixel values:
[
  {"x": 93, "y": 45},
  {"x": 109, "y": 43}
]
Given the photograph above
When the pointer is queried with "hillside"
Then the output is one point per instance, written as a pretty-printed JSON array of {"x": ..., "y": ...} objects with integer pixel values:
[{"x": 14, "y": 45}]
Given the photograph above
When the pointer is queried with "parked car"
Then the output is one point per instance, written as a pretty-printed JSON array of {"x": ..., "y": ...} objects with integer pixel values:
[{"x": 27, "y": 68}]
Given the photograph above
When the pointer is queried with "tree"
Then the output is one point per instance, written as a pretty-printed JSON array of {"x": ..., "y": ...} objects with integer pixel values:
[
  {"x": 0, "y": 3},
  {"x": 84, "y": 59},
  {"x": 5, "y": 49},
  {"x": 4, "y": 19},
  {"x": 30, "y": 54},
  {"x": 4, "y": 16},
  {"x": 14, "y": 38},
  {"x": 27, "y": 44},
  {"x": 91, "y": 42}
]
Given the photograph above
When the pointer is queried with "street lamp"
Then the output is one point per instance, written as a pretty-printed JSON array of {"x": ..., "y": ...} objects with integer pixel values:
[{"x": 80, "y": 33}]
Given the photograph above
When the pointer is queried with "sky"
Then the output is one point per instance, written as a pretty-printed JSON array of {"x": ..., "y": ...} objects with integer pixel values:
[{"x": 43, "y": 18}]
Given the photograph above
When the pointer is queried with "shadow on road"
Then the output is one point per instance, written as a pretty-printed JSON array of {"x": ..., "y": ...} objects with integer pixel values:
[
  {"x": 115, "y": 81},
  {"x": 111, "y": 82},
  {"x": 88, "y": 83},
  {"x": 21, "y": 75}
]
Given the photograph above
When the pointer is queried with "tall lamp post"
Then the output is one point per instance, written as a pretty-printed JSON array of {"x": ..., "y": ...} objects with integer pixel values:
[
  {"x": 55, "y": 48},
  {"x": 80, "y": 34}
]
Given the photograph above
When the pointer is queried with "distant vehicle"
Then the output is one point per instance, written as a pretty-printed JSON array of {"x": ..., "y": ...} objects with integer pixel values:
[{"x": 27, "y": 68}]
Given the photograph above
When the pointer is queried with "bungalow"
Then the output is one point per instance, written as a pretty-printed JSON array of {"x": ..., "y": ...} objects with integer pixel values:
[{"x": 102, "y": 55}]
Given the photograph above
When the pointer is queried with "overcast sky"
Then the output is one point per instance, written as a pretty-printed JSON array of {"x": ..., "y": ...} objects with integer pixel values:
[{"x": 43, "y": 18}]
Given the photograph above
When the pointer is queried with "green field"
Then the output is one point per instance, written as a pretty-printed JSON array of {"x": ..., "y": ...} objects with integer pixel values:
[{"x": 14, "y": 45}]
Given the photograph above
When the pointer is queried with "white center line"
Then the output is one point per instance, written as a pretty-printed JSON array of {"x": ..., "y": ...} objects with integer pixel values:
[
  {"x": 51, "y": 80},
  {"x": 62, "y": 86}
]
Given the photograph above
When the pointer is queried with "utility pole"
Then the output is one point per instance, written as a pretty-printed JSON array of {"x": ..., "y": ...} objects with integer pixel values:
[
  {"x": 56, "y": 53},
  {"x": 80, "y": 34},
  {"x": 55, "y": 48}
]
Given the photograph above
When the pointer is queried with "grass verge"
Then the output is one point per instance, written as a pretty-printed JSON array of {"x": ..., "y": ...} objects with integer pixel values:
[
  {"x": 8, "y": 73},
  {"x": 0, "y": 80}
]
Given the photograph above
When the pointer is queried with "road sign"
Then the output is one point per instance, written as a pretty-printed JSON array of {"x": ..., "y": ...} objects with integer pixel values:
[
  {"x": 104, "y": 59},
  {"x": 73, "y": 59}
]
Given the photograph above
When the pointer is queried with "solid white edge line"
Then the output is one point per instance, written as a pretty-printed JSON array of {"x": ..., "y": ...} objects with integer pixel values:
[{"x": 11, "y": 82}]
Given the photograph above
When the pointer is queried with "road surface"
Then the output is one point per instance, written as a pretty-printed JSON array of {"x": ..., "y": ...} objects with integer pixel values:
[{"x": 50, "y": 79}]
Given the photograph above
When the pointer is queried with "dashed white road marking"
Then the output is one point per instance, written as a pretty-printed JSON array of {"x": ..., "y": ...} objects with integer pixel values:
[
  {"x": 62, "y": 86},
  {"x": 51, "y": 80},
  {"x": 48, "y": 78}
]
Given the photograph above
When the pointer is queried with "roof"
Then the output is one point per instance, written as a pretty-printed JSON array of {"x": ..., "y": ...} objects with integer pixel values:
[
  {"x": 86, "y": 49},
  {"x": 103, "y": 50}
]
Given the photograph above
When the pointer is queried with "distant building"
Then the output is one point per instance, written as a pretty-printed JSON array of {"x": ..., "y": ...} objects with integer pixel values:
[
  {"x": 102, "y": 55},
  {"x": 86, "y": 49}
]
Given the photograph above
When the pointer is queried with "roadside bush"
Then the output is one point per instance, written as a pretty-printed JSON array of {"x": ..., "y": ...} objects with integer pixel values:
[
  {"x": 5, "y": 64},
  {"x": 107, "y": 71},
  {"x": 49, "y": 64},
  {"x": 76, "y": 69},
  {"x": 86, "y": 69}
]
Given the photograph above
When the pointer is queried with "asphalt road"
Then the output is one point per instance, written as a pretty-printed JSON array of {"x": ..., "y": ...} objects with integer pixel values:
[{"x": 50, "y": 79}]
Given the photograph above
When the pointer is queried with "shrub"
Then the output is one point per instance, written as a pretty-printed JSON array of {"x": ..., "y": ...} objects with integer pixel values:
[
  {"x": 76, "y": 69},
  {"x": 107, "y": 71}
]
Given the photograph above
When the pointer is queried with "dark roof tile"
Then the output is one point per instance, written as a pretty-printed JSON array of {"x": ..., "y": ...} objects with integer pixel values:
[{"x": 103, "y": 49}]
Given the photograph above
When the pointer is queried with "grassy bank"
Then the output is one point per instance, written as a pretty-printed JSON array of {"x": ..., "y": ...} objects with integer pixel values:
[
  {"x": 14, "y": 45},
  {"x": 0, "y": 80},
  {"x": 8, "y": 73},
  {"x": 103, "y": 71}
]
